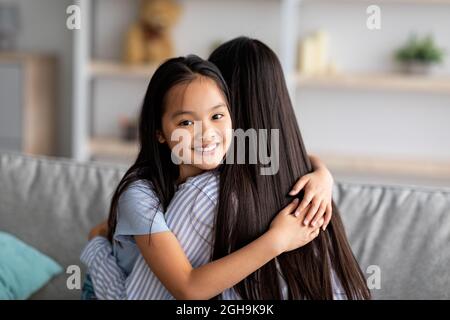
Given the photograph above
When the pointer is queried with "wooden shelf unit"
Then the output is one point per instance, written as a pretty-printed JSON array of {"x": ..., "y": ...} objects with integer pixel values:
[{"x": 386, "y": 81}]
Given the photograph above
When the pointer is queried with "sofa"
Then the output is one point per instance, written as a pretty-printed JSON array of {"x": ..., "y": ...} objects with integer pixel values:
[{"x": 399, "y": 234}]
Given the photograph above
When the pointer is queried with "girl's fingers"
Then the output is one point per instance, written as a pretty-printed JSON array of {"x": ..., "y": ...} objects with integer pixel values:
[
  {"x": 306, "y": 201},
  {"x": 328, "y": 214},
  {"x": 320, "y": 223},
  {"x": 315, "y": 233},
  {"x": 299, "y": 185},
  {"x": 290, "y": 207},
  {"x": 320, "y": 213},
  {"x": 312, "y": 211}
]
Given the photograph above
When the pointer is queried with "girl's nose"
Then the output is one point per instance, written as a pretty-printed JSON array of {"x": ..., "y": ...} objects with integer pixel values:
[{"x": 209, "y": 133}]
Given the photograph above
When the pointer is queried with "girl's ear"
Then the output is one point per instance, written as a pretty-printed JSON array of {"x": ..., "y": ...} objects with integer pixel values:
[{"x": 160, "y": 137}]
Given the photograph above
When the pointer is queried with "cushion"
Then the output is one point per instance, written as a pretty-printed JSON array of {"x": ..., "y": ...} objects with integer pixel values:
[{"x": 23, "y": 269}]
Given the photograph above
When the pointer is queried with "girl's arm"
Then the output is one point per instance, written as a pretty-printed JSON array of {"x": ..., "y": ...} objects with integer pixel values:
[
  {"x": 109, "y": 280},
  {"x": 167, "y": 260},
  {"x": 318, "y": 187}
]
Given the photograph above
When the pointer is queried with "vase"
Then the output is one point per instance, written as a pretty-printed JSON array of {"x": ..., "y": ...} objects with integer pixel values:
[{"x": 417, "y": 68}]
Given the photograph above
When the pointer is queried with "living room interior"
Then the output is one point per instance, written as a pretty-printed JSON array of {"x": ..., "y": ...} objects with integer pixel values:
[{"x": 369, "y": 83}]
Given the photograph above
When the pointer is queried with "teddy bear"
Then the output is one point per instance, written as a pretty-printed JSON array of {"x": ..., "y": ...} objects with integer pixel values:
[{"x": 148, "y": 40}]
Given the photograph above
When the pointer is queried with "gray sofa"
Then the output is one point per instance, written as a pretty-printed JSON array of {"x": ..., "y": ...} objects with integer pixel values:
[{"x": 403, "y": 231}]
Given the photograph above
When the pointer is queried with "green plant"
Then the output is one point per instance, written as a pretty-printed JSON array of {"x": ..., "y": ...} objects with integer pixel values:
[{"x": 420, "y": 50}]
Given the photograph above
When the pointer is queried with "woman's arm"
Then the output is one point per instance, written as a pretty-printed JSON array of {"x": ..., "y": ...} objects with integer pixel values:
[{"x": 167, "y": 260}]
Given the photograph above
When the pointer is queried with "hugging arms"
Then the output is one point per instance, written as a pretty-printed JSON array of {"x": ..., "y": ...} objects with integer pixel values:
[{"x": 188, "y": 223}]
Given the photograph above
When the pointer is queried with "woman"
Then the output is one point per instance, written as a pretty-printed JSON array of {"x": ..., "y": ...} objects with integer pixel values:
[{"x": 258, "y": 90}]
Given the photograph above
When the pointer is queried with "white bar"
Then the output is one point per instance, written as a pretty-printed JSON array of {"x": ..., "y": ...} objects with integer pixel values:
[{"x": 81, "y": 57}]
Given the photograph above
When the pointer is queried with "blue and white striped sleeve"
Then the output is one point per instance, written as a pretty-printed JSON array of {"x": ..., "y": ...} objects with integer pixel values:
[
  {"x": 139, "y": 212},
  {"x": 107, "y": 277}
]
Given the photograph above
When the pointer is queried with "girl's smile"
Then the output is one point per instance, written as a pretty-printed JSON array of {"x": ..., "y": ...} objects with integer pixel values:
[{"x": 207, "y": 150}]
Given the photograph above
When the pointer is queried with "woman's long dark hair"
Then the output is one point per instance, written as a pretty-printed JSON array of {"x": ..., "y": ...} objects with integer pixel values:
[
  {"x": 249, "y": 201},
  {"x": 154, "y": 164}
]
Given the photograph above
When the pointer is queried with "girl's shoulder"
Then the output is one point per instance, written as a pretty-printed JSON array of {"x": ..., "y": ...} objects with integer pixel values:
[
  {"x": 139, "y": 192},
  {"x": 203, "y": 185},
  {"x": 139, "y": 211},
  {"x": 203, "y": 179}
]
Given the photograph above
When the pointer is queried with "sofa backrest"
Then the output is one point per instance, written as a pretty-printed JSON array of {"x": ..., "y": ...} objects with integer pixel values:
[
  {"x": 401, "y": 234},
  {"x": 52, "y": 204}
]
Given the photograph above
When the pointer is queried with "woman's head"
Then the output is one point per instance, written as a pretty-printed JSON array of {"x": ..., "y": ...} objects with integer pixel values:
[
  {"x": 260, "y": 100},
  {"x": 184, "y": 127}
]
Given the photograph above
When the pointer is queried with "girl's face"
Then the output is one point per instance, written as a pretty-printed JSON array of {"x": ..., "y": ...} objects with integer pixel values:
[{"x": 196, "y": 125}]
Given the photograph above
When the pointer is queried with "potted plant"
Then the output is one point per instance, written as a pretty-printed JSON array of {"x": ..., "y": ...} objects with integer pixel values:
[{"x": 417, "y": 56}]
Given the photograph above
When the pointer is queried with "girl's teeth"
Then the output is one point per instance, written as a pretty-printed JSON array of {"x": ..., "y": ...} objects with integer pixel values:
[{"x": 207, "y": 149}]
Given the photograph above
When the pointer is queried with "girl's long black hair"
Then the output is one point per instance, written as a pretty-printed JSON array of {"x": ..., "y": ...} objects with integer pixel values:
[
  {"x": 249, "y": 201},
  {"x": 154, "y": 164}
]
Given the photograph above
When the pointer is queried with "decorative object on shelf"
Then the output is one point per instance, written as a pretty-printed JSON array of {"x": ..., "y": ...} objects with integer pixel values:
[
  {"x": 418, "y": 55},
  {"x": 314, "y": 55},
  {"x": 128, "y": 128},
  {"x": 9, "y": 26},
  {"x": 149, "y": 39}
]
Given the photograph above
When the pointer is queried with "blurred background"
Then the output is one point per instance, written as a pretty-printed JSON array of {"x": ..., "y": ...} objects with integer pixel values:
[{"x": 370, "y": 81}]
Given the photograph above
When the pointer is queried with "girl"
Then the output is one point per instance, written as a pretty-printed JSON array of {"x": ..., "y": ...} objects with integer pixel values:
[{"x": 184, "y": 90}]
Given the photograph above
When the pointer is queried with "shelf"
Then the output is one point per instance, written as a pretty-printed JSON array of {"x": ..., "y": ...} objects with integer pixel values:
[
  {"x": 379, "y": 165},
  {"x": 424, "y": 2},
  {"x": 104, "y": 148},
  {"x": 430, "y": 2},
  {"x": 110, "y": 148},
  {"x": 393, "y": 81},
  {"x": 118, "y": 69}
]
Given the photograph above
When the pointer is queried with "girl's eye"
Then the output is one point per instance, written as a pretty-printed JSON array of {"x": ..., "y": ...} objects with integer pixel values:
[
  {"x": 217, "y": 116},
  {"x": 185, "y": 123}
]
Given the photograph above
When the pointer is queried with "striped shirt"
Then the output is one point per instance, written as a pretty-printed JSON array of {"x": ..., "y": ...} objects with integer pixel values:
[{"x": 190, "y": 216}]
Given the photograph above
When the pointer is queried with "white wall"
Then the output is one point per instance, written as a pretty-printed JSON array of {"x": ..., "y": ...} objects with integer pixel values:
[
  {"x": 202, "y": 23},
  {"x": 357, "y": 48},
  {"x": 43, "y": 30},
  {"x": 369, "y": 123},
  {"x": 366, "y": 122},
  {"x": 375, "y": 123}
]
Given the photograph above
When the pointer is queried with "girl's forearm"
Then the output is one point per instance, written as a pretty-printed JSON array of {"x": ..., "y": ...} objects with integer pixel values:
[
  {"x": 215, "y": 277},
  {"x": 316, "y": 162}
]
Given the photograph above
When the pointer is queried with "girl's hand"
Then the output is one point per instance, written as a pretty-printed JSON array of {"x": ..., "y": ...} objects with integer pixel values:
[
  {"x": 289, "y": 231},
  {"x": 99, "y": 230},
  {"x": 318, "y": 189}
]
